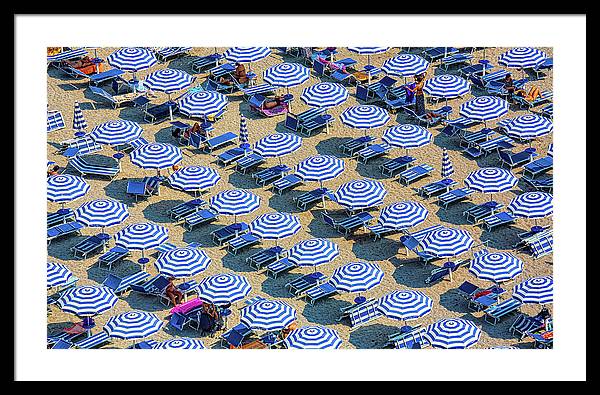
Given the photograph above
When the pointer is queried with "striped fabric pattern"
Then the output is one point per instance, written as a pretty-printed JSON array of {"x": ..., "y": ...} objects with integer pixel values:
[
  {"x": 368, "y": 50},
  {"x": 551, "y": 149},
  {"x": 194, "y": 178},
  {"x": 224, "y": 288},
  {"x": 359, "y": 194},
  {"x": 447, "y": 242},
  {"x": 69, "y": 54},
  {"x": 523, "y": 57},
  {"x": 452, "y": 333},
  {"x": 182, "y": 262},
  {"x": 484, "y": 108},
  {"x": 286, "y": 74},
  {"x": 235, "y": 202},
  {"x": 446, "y": 86},
  {"x": 447, "y": 168},
  {"x": 320, "y": 168},
  {"x": 54, "y": 121},
  {"x": 116, "y": 132},
  {"x": 101, "y": 213},
  {"x": 529, "y": 126},
  {"x": 268, "y": 315},
  {"x": 65, "y": 188},
  {"x": 407, "y": 136},
  {"x": 180, "y": 343},
  {"x": 313, "y": 252},
  {"x": 156, "y": 156},
  {"x": 403, "y": 215},
  {"x": 131, "y": 59},
  {"x": 277, "y": 144},
  {"x": 405, "y": 65},
  {"x": 202, "y": 104},
  {"x": 275, "y": 225},
  {"x": 324, "y": 94},
  {"x": 79, "y": 122},
  {"x": 141, "y": 236},
  {"x": 88, "y": 300},
  {"x": 133, "y": 325},
  {"x": 57, "y": 274},
  {"x": 491, "y": 180},
  {"x": 496, "y": 266},
  {"x": 538, "y": 290},
  {"x": 243, "y": 137},
  {"x": 405, "y": 305},
  {"x": 313, "y": 337},
  {"x": 532, "y": 205},
  {"x": 357, "y": 277},
  {"x": 168, "y": 80},
  {"x": 246, "y": 54},
  {"x": 364, "y": 116}
]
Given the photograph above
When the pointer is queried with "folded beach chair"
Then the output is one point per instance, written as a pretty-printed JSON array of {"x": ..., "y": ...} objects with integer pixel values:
[
  {"x": 312, "y": 197},
  {"x": 436, "y": 187},
  {"x": 515, "y": 160},
  {"x": 248, "y": 162},
  {"x": 121, "y": 284},
  {"x": 414, "y": 173},
  {"x": 293, "y": 122},
  {"x": 147, "y": 187},
  {"x": 219, "y": 141},
  {"x": 372, "y": 151},
  {"x": 495, "y": 220},
  {"x": 266, "y": 256},
  {"x": 401, "y": 163},
  {"x": 115, "y": 100},
  {"x": 542, "y": 246},
  {"x": 278, "y": 267},
  {"x": 54, "y": 121},
  {"x": 302, "y": 283},
  {"x": 435, "y": 53},
  {"x": 455, "y": 59},
  {"x": 241, "y": 242},
  {"x": 84, "y": 168},
  {"x": 350, "y": 146},
  {"x": 319, "y": 292},
  {"x": 113, "y": 256},
  {"x": 540, "y": 184},
  {"x": 266, "y": 176},
  {"x": 228, "y": 232},
  {"x": 454, "y": 196},
  {"x": 477, "y": 212},
  {"x": 200, "y": 217},
  {"x": 205, "y": 62},
  {"x": 286, "y": 183},
  {"x": 87, "y": 246},
  {"x": 495, "y": 313},
  {"x": 65, "y": 229},
  {"x": 59, "y": 217},
  {"x": 538, "y": 166}
]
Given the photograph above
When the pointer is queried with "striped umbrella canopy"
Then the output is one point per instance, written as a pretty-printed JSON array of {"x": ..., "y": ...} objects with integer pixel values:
[
  {"x": 405, "y": 305},
  {"x": 496, "y": 266},
  {"x": 313, "y": 252},
  {"x": 538, "y": 290},
  {"x": 235, "y": 202},
  {"x": 246, "y": 54},
  {"x": 286, "y": 74},
  {"x": 79, "y": 123},
  {"x": 131, "y": 59},
  {"x": 532, "y": 205},
  {"x": 116, "y": 132},
  {"x": 447, "y": 242},
  {"x": 243, "y": 137},
  {"x": 168, "y": 80},
  {"x": 65, "y": 188},
  {"x": 194, "y": 178},
  {"x": 529, "y": 127},
  {"x": 156, "y": 156},
  {"x": 364, "y": 117},
  {"x": 277, "y": 144},
  {"x": 447, "y": 86},
  {"x": 407, "y": 136},
  {"x": 57, "y": 274},
  {"x": 491, "y": 180},
  {"x": 275, "y": 225},
  {"x": 368, "y": 50},
  {"x": 405, "y": 65},
  {"x": 180, "y": 343},
  {"x": 224, "y": 288},
  {"x": 452, "y": 333},
  {"x": 320, "y": 168},
  {"x": 202, "y": 104},
  {"x": 523, "y": 57},
  {"x": 182, "y": 262},
  {"x": 141, "y": 236},
  {"x": 69, "y": 54},
  {"x": 551, "y": 149},
  {"x": 484, "y": 108},
  {"x": 447, "y": 168},
  {"x": 268, "y": 315},
  {"x": 358, "y": 194},
  {"x": 133, "y": 325},
  {"x": 357, "y": 277},
  {"x": 313, "y": 337},
  {"x": 402, "y": 215},
  {"x": 324, "y": 94},
  {"x": 88, "y": 300},
  {"x": 101, "y": 213}
]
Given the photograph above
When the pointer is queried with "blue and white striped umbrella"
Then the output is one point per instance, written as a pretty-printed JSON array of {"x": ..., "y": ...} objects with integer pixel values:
[
  {"x": 224, "y": 288},
  {"x": 202, "y": 104},
  {"x": 407, "y": 136},
  {"x": 532, "y": 205},
  {"x": 141, "y": 236},
  {"x": 484, "y": 108},
  {"x": 496, "y": 266},
  {"x": 452, "y": 333},
  {"x": 313, "y": 337},
  {"x": 368, "y": 50},
  {"x": 551, "y": 149},
  {"x": 116, "y": 132},
  {"x": 69, "y": 54},
  {"x": 180, "y": 343},
  {"x": 79, "y": 123},
  {"x": 538, "y": 290},
  {"x": 235, "y": 202},
  {"x": 405, "y": 65},
  {"x": 156, "y": 156},
  {"x": 447, "y": 242},
  {"x": 133, "y": 325},
  {"x": 65, "y": 188},
  {"x": 268, "y": 315},
  {"x": 131, "y": 59},
  {"x": 529, "y": 127},
  {"x": 491, "y": 180},
  {"x": 402, "y": 215},
  {"x": 277, "y": 144},
  {"x": 320, "y": 168},
  {"x": 324, "y": 94},
  {"x": 357, "y": 277},
  {"x": 364, "y": 116},
  {"x": 286, "y": 74},
  {"x": 182, "y": 262},
  {"x": 275, "y": 225},
  {"x": 57, "y": 274},
  {"x": 447, "y": 168},
  {"x": 313, "y": 252},
  {"x": 168, "y": 80},
  {"x": 358, "y": 194},
  {"x": 405, "y": 305},
  {"x": 101, "y": 213},
  {"x": 194, "y": 178},
  {"x": 243, "y": 137},
  {"x": 447, "y": 86},
  {"x": 88, "y": 300},
  {"x": 523, "y": 57},
  {"x": 246, "y": 54}
]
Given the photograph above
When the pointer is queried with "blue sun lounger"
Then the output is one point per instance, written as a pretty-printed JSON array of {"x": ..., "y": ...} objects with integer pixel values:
[
  {"x": 443, "y": 113},
  {"x": 205, "y": 62},
  {"x": 228, "y": 232},
  {"x": 375, "y": 92},
  {"x": 319, "y": 292},
  {"x": 482, "y": 81},
  {"x": 241, "y": 242},
  {"x": 314, "y": 196},
  {"x": 317, "y": 123},
  {"x": 410, "y": 339},
  {"x": 234, "y": 337},
  {"x": 414, "y": 173},
  {"x": 186, "y": 208},
  {"x": 538, "y": 166},
  {"x": 436, "y": 187},
  {"x": 219, "y": 141},
  {"x": 547, "y": 111},
  {"x": 265, "y": 89},
  {"x": 113, "y": 256},
  {"x": 122, "y": 284},
  {"x": 95, "y": 341},
  {"x": 479, "y": 211},
  {"x": 505, "y": 157},
  {"x": 435, "y": 53},
  {"x": 475, "y": 69},
  {"x": 455, "y": 59},
  {"x": 115, "y": 100},
  {"x": 380, "y": 231},
  {"x": 542, "y": 246},
  {"x": 546, "y": 96},
  {"x": 60, "y": 217},
  {"x": 200, "y": 217},
  {"x": 286, "y": 183},
  {"x": 472, "y": 138},
  {"x": 149, "y": 186},
  {"x": 495, "y": 220},
  {"x": 453, "y": 196},
  {"x": 168, "y": 53},
  {"x": 231, "y": 155},
  {"x": 266, "y": 256},
  {"x": 70, "y": 228},
  {"x": 392, "y": 166},
  {"x": 496, "y": 312},
  {"x": 300, "y": 284},
  {"x": 455, "y": 126},
  {"x": 364, "y": 314},
  {"x": 294, "y": 122},
  {"x": 278, "y": 267},
  {"x": 372, "y": 151},
  {"x": 525, "y": 323},
  {"x": 350, "y": 146},
  {"x": 266, "y": 176},
  {"x": 485, "y": 148},
  {"x": 541, "y": 184},
  {"x": 84, "y": 168},
  {"x": 87, "y": 246},
  {"x": 441, "y": 273},
  {"x": 249, "y": 162}
]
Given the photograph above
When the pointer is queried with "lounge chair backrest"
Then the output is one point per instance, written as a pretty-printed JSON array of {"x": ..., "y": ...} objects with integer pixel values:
[
  {"x": 112, "y": 281},
  {"x": 257, "y": 101},
  {"x": 319, "y": 68}
]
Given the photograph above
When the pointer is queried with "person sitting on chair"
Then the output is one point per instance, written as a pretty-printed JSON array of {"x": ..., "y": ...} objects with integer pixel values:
[
  {"x": 174, "y": 295},
  {"x": 239, "y": 74}
]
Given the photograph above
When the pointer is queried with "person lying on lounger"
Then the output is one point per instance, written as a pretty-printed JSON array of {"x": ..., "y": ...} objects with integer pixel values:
[
  {"x": 286, "y": 331},
  {"x": 81, "y": 63},
  {"x": 533, "y": 93},
  {"x": 53, "y": 171},
  {"x": 275, "y": 102}
]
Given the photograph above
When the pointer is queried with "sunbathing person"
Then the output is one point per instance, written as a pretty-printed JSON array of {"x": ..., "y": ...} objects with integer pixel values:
[
  {"x": 81, "y": 63},
  {"x": 275, "y": 102},
  {"x": 53, "y": 171},
  {"x": 239, "y": 74},
  {"x": 174, "y": 295},
  {"x": 533, "y": 93}
]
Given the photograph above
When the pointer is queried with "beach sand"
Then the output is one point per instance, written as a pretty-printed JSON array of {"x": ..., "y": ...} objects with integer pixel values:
[{"x": 401, "y": 272}]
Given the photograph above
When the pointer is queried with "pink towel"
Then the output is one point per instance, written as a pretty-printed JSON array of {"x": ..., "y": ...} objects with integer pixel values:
[{"x": 187, "y": 306}]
